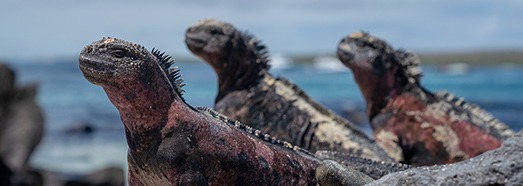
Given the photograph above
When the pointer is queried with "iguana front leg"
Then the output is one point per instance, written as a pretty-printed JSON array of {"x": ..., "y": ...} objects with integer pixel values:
[{"x": 330, "y": 173}]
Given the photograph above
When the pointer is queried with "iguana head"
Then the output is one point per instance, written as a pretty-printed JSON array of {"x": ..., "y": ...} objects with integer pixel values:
[
  {"x": 379, "y": 70},
  {"x": 238, "y": 58},
  {"x": 362, "y": 52},
  {"x": 139, "y": 83},
  {"x": 114, "y": 61},
  {"x": 210, "y": 38}
]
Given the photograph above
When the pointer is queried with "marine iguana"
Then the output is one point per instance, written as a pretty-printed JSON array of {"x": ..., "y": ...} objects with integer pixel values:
[
  {"x": 173, "y": 143},
  {"x": 249, "y": 93},
  {"x": 21, "y": 125},
  {"x": 7, "y": 81},
  {"x": 412, "y": 124}
]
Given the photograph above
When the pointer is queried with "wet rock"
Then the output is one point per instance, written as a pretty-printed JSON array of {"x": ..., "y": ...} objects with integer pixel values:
[{"x": 502, "y": 166}]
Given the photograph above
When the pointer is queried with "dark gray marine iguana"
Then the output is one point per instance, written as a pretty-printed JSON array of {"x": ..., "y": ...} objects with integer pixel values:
[
  {"x": 412, "y": 124},
  {"x": 249, "y": 93},
  {"x": 21, "y": 125},
  {"x": 172, "y": 143},
  {"x": 7, "y": 84}
]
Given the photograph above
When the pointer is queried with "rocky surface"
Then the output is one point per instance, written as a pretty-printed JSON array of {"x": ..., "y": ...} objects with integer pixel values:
[{"x": 502, "y": 166}]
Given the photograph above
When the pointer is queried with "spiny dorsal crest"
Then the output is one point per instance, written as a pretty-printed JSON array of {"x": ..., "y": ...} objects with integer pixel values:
[
  {"x": 172, "y": 72},
  {"x": 476, "y": 111},
  {"x": 259, "y": 49},
  {"x": 411, "y": 65},
  {"x": 252, "y": 131}
]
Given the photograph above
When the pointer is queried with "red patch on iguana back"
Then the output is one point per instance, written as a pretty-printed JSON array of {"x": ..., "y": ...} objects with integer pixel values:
[
  {"x": 419, "y": 132},
  {"x": 473, "y": 140}
]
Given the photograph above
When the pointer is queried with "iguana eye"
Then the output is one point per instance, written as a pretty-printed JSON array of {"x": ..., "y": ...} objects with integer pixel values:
[
  {"x": 120, "y": 53},
  {"x": 215, "y": 31}
]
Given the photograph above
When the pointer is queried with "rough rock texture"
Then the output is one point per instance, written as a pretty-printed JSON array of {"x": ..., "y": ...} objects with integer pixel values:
[
  {"x": 502, "y": 166},
  {"x": 371, "y": 168},
  {"x": 413, "y": 125},
  {"x": 331, "y": 173},
  {"x": 249, "y": 93}
]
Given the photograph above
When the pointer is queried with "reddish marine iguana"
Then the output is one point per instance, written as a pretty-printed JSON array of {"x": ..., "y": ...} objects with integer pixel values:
[
  {"x": 413, "y": 125},
  {"x": 249, "y": 93},
  {"x": 172, "y": 143}
]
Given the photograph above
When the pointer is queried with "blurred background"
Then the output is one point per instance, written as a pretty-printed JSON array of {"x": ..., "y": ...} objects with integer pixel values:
[{"x": 473, "y": 48}]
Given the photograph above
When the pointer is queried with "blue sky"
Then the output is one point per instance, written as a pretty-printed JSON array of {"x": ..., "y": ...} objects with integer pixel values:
[{"x": 52, "y": 28}]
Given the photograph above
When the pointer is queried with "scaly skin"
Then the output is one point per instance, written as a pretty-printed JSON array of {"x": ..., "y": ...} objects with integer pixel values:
[
  {"x": 413, "y": 125},
  {"x": 172, "y": 143},
  {"x": 249, "y": 93}
]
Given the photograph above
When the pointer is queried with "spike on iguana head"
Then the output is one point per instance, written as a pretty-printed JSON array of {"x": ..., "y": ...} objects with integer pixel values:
[
  {"x": 411, "y": 65},
  {"x": 172, "y": 72}
]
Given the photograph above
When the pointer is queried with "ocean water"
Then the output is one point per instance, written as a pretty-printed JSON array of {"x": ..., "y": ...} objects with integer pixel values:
[{"x": 69, "y": 100}]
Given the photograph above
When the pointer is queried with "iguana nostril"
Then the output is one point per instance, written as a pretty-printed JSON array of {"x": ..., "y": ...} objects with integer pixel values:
[{"x": 89, "y": 49}]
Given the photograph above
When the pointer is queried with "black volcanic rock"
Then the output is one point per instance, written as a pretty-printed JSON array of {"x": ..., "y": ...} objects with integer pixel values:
[{"x": 502, "y": 166}]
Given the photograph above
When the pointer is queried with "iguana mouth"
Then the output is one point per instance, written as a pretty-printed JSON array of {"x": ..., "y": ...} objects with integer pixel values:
[
  {"x": 95, "y": 69},
  {"x": 195, "y": 39},
  {"x": 344, "y": 53},
  {"x": 358, "y": 49},
  {"x": 92, "y": 63}
]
